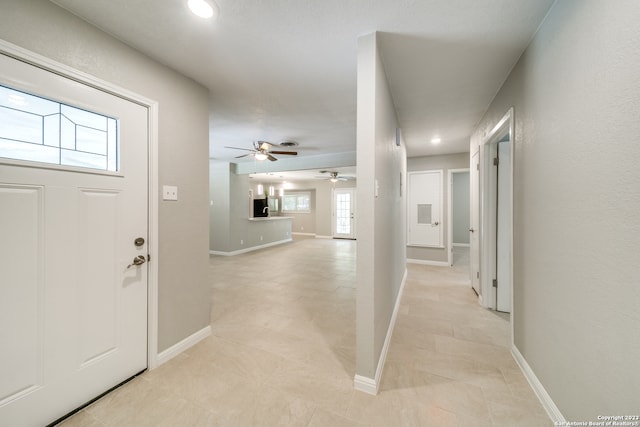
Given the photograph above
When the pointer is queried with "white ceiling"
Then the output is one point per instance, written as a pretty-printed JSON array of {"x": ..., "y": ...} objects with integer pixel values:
[
  {"x": 304, "y": 175},
  {"x": 286, "y": 69}
]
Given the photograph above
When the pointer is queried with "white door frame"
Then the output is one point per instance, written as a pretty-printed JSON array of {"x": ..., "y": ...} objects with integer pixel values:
[
  {"x": 474, "y": 224},
  {"x": 488, "y": 195},
  {"x": 45, "y": 63},
  {"x": 450, "y": 173}
]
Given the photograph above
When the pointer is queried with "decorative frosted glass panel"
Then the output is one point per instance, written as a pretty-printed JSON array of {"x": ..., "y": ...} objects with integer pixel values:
[
  {"x": 23, "y": 101},
  {"x": 91, "y": 140},
  {"x": 83, "y": 160},
  {"x": 84, "y": 118},
  {"x": 33, "y": 152},
  {"x": 67, "y": 133},
  {"x": 40, "y": 130},
  {"x": 21, "y": 126},
  {"x": 51, "y": 131},
  {"x": 424, "y": 214}
]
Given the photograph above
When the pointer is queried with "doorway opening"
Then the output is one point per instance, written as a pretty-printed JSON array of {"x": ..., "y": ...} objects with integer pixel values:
[
  {"x": 458, "y": 218},
  {"x": 496, "y": 199}
]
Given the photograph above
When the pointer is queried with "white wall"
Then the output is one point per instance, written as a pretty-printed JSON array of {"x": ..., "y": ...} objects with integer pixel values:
[
  {"x": 576, "y": 99},
  {"x": 183, "y": 291},
  {"x": 230, "y": 210},
  {"x": 220, "y": 206},
  {"x": 322, "y": 206},
  {"x": 304, "y": 222},
  {"x": 381, "y": 260}
]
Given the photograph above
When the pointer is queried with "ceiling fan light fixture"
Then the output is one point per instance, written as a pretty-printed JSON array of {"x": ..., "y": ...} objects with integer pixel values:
[
  {"x": 436, "y": 140},
  {"x": 204, "y": 8},
  {"x": 334, "y": 179},
  {"x": 260, "y": 156}
]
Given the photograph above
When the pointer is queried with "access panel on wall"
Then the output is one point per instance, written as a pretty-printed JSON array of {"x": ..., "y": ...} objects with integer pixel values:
[{"x": 424, "y": 210}]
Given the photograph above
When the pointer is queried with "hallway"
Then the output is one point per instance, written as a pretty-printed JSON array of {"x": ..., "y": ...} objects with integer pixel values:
[{"x": 283, "y": 348}]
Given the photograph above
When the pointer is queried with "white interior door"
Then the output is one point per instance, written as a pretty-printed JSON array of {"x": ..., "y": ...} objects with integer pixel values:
[
  {"x": 344, "y": 211},
  {"x": 474, "y": 230},
  {"x": 503, "y": 229},
  {"x": 425, "y": 209},
  {"x": 73, "y": 315}
]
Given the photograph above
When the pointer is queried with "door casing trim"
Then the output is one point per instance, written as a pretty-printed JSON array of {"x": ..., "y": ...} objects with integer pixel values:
[
  {"x": 450, "y": 245},
  {"x": 487, "y": 246}
]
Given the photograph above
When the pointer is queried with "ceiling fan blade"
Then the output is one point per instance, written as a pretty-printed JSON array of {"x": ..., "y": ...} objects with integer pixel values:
[
  {"x": 270, "y": 157},
  {"x": 242, "y": 155},
  {"x": 289, "y": 153},
  {"x": 237, "y": 148}
]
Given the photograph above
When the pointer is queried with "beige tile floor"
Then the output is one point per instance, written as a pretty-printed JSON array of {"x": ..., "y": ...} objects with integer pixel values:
[{"x": 283, "y": 348}]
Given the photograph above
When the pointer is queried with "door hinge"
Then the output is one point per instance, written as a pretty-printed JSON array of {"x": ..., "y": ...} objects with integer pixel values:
[
  {"x": 495, "y": 283},
  {"x": 477, "y": 166},
  {"x": 496, "y": 161},
  {"x": 477, "y": 274},
  {"x": 148, "y": 257}
]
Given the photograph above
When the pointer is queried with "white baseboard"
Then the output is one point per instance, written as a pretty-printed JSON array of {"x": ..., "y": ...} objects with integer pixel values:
[
  {"x": 547, "y": 403},
  {"x": 372, "y": 385},
  {"x": 427, "y": 262},
  {"x": 317, "y": 236},
  {"x": 183, "y": 345},
  {"x": 462, "y": 245},
  {"x": 366, "y": 385},
  {"x": 251, "y": 249}
]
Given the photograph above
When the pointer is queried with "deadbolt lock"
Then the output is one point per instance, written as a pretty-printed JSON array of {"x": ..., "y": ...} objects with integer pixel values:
[{"x": 139, "y": 241}]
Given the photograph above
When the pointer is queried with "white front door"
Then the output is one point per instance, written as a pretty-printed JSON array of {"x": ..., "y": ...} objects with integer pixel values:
[
  {"x": 73, "y": 314},
  {"x": 344, "y": 211}
]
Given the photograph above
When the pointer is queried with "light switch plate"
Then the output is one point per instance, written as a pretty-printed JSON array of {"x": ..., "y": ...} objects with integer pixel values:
[{"x": 169, "y": 192}]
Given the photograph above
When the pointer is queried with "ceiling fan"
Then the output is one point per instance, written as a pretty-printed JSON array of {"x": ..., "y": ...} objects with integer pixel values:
[
  {"x": 334, "y": 176},
  {"x": 262, "y": 151}
]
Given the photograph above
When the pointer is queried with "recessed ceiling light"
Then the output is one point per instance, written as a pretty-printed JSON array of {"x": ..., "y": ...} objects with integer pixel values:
[
  {"x": 436, "y": 140},
  {"x": 204, "y": 8}
]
